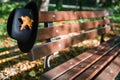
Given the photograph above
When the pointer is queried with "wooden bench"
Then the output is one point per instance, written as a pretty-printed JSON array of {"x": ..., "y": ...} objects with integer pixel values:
[{"x": 99, "y": 63}]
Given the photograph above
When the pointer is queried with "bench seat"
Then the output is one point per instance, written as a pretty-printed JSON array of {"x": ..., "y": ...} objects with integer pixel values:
[
  {"x": 87, "y": 65},
  {"x": 111, "y": 71}
]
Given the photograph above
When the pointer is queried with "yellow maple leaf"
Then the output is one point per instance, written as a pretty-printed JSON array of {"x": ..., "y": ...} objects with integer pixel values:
[{"x": 26, "y": 22}]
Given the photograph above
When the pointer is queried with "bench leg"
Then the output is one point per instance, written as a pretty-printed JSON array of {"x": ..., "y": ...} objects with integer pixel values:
[
  {"x": 49, "y": 57},
  {"x": 102, "y": 39},
  {"x": 47, "y": 64}
]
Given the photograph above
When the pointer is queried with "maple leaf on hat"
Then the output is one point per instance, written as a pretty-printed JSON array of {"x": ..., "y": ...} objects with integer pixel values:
[{"x": 26, "y": 22}]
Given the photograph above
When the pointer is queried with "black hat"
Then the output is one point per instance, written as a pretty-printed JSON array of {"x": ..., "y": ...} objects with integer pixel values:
[{"x": 22, "y": 26}]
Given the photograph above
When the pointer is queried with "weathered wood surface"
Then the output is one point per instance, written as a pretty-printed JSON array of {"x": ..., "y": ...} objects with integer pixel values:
[
  {"x": 86, "y": 65},
  {"x": 70, "y": 15}
]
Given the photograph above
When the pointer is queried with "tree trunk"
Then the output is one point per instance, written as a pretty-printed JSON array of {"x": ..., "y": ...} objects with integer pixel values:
[
  {"x": 59, "y": 4},
  {"x": 42, "y": 4}
]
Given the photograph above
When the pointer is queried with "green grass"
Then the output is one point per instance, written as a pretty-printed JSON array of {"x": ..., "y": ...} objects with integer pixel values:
[
  {"x": 3, "y": 49},
  {"x": 116, "y": 17},
  {"x": 118, "y": 77},
  {"x": 3, "y": 30},
  {"x": 6, "y": 8}
]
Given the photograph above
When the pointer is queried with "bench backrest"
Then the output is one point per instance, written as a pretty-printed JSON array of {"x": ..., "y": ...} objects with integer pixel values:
[{"x": 62, "y": 23}]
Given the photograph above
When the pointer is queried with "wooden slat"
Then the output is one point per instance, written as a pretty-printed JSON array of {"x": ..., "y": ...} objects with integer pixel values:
[
  {"x": 93, "y": 14},
  {"x": 69, "y": 15},
  {"x": 50, "y": 32},
  {"x": 59, "y": 70},
  {"x": 40, "y": 51},
  {"x": 111, "y": 71},
  {"x": 92, "y": 72},
  {"x": 58, "y": 31},
  {"x": 94, "y": 24}
]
